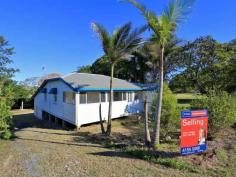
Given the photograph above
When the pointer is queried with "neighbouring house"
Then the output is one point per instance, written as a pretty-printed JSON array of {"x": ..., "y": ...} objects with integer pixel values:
[{"x": 75, "y": 98}]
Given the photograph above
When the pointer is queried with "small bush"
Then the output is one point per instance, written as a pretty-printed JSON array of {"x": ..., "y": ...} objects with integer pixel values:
[
  {"x": 5, "y": 114},
  {"x": 6, "y": 134},
  {"x": 170, "y": 111},
  {"x": 222, "y": 110}
]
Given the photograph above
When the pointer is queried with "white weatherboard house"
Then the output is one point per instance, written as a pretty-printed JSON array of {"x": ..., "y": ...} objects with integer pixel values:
[{"x": 75, "y": 98}]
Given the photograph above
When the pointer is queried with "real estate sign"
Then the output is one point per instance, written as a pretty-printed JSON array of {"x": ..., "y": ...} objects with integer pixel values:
[{"x": 194, "y": 126}]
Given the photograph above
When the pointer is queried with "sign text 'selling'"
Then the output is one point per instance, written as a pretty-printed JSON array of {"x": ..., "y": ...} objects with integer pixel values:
[{"x": 192, "y": 122}]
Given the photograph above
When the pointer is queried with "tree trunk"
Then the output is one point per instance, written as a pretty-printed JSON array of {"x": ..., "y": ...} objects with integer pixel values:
[
  {"x": 156, "y": 132},
  {"x": 110, "y": 102},
  {"x": 101, "y": 121},
  {"x": 147, "y": 133}
]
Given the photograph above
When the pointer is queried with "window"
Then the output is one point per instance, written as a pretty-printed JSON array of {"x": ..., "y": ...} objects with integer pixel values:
[
  {"x": 55, "y": 98},
  {"x": 124, "y": 96},
  {"x": 117, "y": 96},
  {"x": 54, "y": 92},
  {"x": 130, "y": 96},
  {"x": 93, "y": 97},
  {"x": 45, "y": 96},
  {"x": 83, "y": 98},
  {"x": 69, "y": 97},
  {"x": 103, "y": 97},
  {"x": 44, "y": 91}
]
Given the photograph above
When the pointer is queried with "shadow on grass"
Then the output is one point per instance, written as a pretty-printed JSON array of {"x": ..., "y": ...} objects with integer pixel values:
[
  {"x": 113, "y": 154},
  {"x": 30, "y": 121},
  {"x": 137, "y": 154},
  {"x": 61, "y": 143}
]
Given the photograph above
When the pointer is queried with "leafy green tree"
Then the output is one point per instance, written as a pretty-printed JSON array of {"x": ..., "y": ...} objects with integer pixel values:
[
  {"x": 6, "y": 84},
  {"x": 5, "y": 54},
  {"x": 172, "y": 61},
  {"x": 163, "y": 26},
  {"x": 208, "y": 66},
  {"x": 84, "y": 69},
  {"x": 118, "y": 46}
]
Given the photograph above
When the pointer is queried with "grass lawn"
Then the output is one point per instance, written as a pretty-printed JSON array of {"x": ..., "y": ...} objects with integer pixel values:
[
  {"x": 189, "y": 96},
  {"x": 41, "y": 149},
  {"x": 184, "y": 99}
]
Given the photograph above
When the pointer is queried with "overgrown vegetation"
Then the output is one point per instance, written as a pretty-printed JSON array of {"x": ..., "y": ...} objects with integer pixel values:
[
  {"x": 159, "y": 159},
  {"x": 170, "y": 112},
  {"x": 9, "y": 90},
  {"x": 222, "y": 110}
]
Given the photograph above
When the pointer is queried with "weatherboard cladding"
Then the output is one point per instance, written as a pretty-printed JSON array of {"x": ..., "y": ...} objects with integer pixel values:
[{"x": 94, "y": 82}]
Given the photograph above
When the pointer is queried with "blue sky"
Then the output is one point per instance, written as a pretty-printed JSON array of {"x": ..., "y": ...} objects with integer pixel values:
[{"x": 56, "y": 34}]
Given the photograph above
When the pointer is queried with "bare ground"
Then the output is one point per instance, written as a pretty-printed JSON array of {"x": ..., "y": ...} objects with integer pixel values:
[{"x": 43, "y": 149}]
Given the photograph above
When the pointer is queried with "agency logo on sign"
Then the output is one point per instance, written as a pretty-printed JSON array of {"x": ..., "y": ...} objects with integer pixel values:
[{"x": 194, "y": 127}]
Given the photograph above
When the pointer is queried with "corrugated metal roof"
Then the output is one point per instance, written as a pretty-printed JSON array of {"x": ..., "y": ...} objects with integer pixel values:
[
  {"x": 95, "y": 82},
  {"x": 83, "y": 82}
]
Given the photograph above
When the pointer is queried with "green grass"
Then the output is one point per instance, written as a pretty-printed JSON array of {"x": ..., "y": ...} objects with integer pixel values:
[
  {"x": 184, "y": 99},
  {"x": 221, "y": 155},
  {"x": 185, "y": 95},
  {"x": 2, "y": 145},
  {"x": 160, "y": 159}
]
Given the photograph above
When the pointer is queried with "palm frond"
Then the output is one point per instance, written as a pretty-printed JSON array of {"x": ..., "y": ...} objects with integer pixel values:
[
  {"x": 142, "y": 8},
  {"x": 102, "y": 34},
  {"x": 150, "y": 16},
  {"x": 177, "y": 10},
  {"x": 134, "y": 40},
  {"x": 120, "y": 34}
]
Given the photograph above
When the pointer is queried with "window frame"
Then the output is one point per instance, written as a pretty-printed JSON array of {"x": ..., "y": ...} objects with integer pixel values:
[
  {"x": 120, "y": 96},
  {"x": 67, "y": 94},
  {"x": 84, "y": 94},
  {"x": 90, "y": 100},
  {"x": 104, "y": 94},
  {"x": 124, "y": 94}
]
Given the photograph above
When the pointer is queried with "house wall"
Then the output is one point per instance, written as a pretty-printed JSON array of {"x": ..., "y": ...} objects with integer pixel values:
[
  {"x": 80, "y": 114},
  {"x": 89, "y": 113},
  {"x": 59, "y": 108}
]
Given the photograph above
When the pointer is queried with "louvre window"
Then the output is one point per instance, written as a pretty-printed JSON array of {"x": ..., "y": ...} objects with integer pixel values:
[
  {"x": 93, "y": 97},
  {"x": 83, "y": 98},
  {"x": 124, "y": 96},
  {"x": 103, "y": 97},
  {"x": 53, "y": 92},
  {"x": 117, "y": 96},
  {"x": 69, "y": 97}
]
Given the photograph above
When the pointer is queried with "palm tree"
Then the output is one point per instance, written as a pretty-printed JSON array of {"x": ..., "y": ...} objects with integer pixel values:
[
  {"x": 163, "y": 26},
  {"x": 116, "y": 47},
  {"x": 172, "y": 60}
]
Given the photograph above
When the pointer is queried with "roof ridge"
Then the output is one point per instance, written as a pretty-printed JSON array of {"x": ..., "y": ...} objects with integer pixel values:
[{"x": 66, "y": 75}]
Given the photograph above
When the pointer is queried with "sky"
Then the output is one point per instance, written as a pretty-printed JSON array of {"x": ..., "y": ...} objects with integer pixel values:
[{"x": 56, "y": 34}]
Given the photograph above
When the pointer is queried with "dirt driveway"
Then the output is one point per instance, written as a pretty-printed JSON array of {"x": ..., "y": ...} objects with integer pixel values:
[{"x": 44, "y": 150}]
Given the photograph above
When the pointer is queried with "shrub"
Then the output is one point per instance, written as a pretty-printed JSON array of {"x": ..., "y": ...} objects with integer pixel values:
[
  {"x": 170, "y": 112},
  {"x": 6, "y": 134},
  {"x": 222, "y": 110},
  {"x": 5, "y": 115}
]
